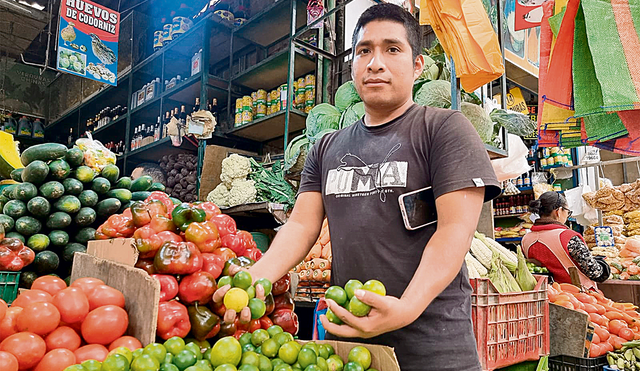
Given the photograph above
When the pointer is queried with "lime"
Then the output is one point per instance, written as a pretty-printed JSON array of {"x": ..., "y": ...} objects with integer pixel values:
[
  {"x": 270, "y": 348},
  {"x": 283, "y": 338},
  {"x": 115, "y": 362},
  {"x": 251, "y": 291},
  {"x": 277, "y": 362},
  {"x": 351, "y": 287},
  {"x": 329, "y": 350},
  {"x": 236, "y": 299},
  {"x": 203, "y": 344},
  {"x": 168, "y": 358},
  {"x": 226, "y": 351},
  {"x": 296, "y": 366},
  {"x": 76, "y": 368},
  {"x": 174, "y": 345},
  {"x": 249, "y": 347},
  {"x": 259, "y": 349},
  {"x": 137, "y": 353},
  {"x": 248, "y": 368},
  {"x": 337, "y": 294},
  {"x": 123, "y": 351},
  {"x": 145, "y": 362},
  {"x": 245, "y": 339},
  {"x": 155, "y": 350},
  {"x": 311, "y": 345},
  {"x": 250, "y": 358},
  {"x": 195, "y": 349},
  {"x": 323, "y": 352},
  {"x": 322, "y": 364},
  {"x": 242, "y": 280},
  {"x": 361, "y": 356},
  {"x": 375, "y": 286},
  {"x": 204, "y": 365},
  {"x": 207, "y": 355},
  {"x": 265, "y": 364},
  {"x": 332, "y": 317},
  {"x": 335, "y": 362},
  {"x": 258, "y": 308},
  {"x": 358, "y": 308},
  {"x": 266, "y": 285},
  {"x": 283, "y": 367},
  {"x": 259, "y": 336},
  {"x": 184, "y": 359},
  {"x": 226, "y": 367},
  {"x": 306, "y": 357},
  {"x": 169, "y": 367},
  {"x": 91, "y": 365},
  {"x": 193, "y": 368},
  {"x": 274, "y": 330},
  {"x": 312, "y": 368},
  {"x": 372, "y": 369},
  {"x": 289, "y": 352},
  {"x": 352, "y": 366},
  {"x": 225, "y": 280}
]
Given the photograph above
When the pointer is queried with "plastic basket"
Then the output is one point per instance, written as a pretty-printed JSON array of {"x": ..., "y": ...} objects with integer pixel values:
[
  {"x": 9, "y": 286},
  {"x": 568, "y": 363},
  {"x": 510, "y": 328}
]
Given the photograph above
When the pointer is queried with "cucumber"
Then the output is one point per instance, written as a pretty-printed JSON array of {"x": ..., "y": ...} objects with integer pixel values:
[
  {"x": 17, "y": 174},
  {"x": 123, "y": 183},
  {"x": 70, "y": 250},
  {"x": 72, "y": 186},
  {"x": 25, "y": 191},
  {"x": 85, "y": 217},
  {"x": 85, "y": 235},
  {"x": 68, "y": 204},
  {"x": 43, "y": 152},
  {"x": 14, "y": 209},
  {"x": 85, "y": 174},
  {"x": 59, "y": 238},
  {"x": 142, "y": 184},
  {"x": 58, "y": 220},
  {"x": 8, "y": 191},
  {"x": 108, "y": 207},
  {"x": 157, "y": 187},
  {"x": 38, "y": 242},
  {"x": 46, "y": 262},
  {"x": 36, "y": 172},
  {"x": 52, "y": 190},
  {"x": 7, "y": 222},
  {"x": 74, "y": 157},
  {"x": 100, "y": 185},
  {"x": 16, "y": 235},
  {"x": 26, "y": 279},
  {"x": 59, "y": 169},
  {"x": 39, "y": 206},
  {"x": 28, "y": 226},
  {"x": 124, "y": 195},
  {"x": 88, "y": 198},
  {"x": 140, "y": 195},
  {"x": 111, "y": 173}
]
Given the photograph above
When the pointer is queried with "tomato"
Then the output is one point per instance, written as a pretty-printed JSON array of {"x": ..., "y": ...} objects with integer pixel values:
[
  {"x": 91, "y": 351},
  {"x": 28, "y": 348},
  {"x": 266, "y": 322},
  {"x": 104, "y": 325},
  {"x": 626, "y": 333},
  {"x": 8, "y": 362},
  {"x": 127, "y": 342},
  {"x": 72, "y": 304},
  {"x": 50, "y": 284},
  {"x": 225, "y": 253},
  {"x": 3, "y": 309},
  {"x": 56, "y": 360},
  {"x": 103, "y": 295},
  {"x": 8, "y": 323},
  {"x": 87, "y": 284},
  {"x": 32, "y": 296},
  {"x": 39, "y": 318},
  {"x": 63, "y": 337}
]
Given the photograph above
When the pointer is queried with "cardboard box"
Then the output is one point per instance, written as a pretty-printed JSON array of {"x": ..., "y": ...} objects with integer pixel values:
[
  {"x": 119, "y": 250},
  {"x": 383, "y": 358},
  {"x": 212, "y": 167}
]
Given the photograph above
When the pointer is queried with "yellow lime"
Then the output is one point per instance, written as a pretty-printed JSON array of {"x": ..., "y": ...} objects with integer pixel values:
[
  {"x": 358, "y": 308},
  {"x": 236, "y": 299},
  {"x": 156, "y": 350},
  {"x": 265, "y": 364},
  {"x": 312, "y": 368},
  {"x": 248, "y": 368},
  {"x": 115, "y": 362},
  {"x": 283, "y": 338},
  {"x": 337, "y": 294},
  {"x": 322, "y": 364},
  {"x": 123, "y": 351},
  {"x": 226, "y": 351},
  {"x": 283, "y": 367},
  {"x": 145, "y": 362},
  {"x": 274, "y": 330},
  {"x": 92, "y": 365},
  {"x": 277, "y": 362},
  {"x": 375, "y": 286},
  {"x": 76, "y": 368},
  {"x": 204, "y": 365},
  {"x": 259, "y": 336},
  {"x": 329, "y": 350},
  {"x": 335, "y": 362},
  {"x": 306, "y": 357},
  {"x": 226, "y": 367},
  {"x": 289, "y": 352},
  {"x": 312, "y": 345},
  {"x": 169, "y": 367},
  {"x": 270, "y": 348},
  {"x": 361, "y": 356}
]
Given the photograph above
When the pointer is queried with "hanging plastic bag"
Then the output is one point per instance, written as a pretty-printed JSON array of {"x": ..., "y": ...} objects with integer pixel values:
[
  {"x": 96, "y": 155},
  {"x": 514, "y": 165}
]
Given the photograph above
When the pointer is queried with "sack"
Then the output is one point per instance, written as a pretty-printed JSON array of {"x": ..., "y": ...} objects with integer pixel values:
[{"x": 515, "y": 164}]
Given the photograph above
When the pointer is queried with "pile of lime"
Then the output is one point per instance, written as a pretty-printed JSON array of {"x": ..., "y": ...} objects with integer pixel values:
[
  {"x": 243, "y": 293},
  {"x": 345, "y": 297}
]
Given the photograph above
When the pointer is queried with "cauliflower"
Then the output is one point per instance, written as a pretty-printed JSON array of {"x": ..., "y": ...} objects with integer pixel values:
[
  {"x": 219, "y": 196},
  {"x": 242, "y": 192},
  {"x": 234, "y": 167}
]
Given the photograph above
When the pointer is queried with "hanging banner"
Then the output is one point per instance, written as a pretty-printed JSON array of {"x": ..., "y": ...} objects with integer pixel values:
[
  {"x": 528, "y": 14},
  {"x": 521, "y": 48},
  {"x": 88, "y": 40}
]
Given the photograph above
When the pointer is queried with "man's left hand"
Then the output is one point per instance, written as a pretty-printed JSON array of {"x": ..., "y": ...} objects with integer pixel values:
[{"x": 387, "y": 314}]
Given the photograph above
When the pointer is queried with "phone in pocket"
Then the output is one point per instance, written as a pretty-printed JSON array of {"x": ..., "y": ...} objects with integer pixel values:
[{"x": 418, "y": 208}]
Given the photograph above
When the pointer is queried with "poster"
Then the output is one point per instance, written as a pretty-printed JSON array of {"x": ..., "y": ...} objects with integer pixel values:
[
  {"x": 528, "y": 13},
  {"x": 24, "y": 87},
  {"x": 88, "y": 40},
  {"x": 522, "y": 47}
]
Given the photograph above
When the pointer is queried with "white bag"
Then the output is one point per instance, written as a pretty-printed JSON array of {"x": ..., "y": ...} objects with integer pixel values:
[
  {"x": 515, "y": 164},
  {"x": 585, "y": 215}
]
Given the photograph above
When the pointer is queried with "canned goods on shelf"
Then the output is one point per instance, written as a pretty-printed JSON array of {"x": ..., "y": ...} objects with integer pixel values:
[
  {"x": 238, "y": 105},
  {"x": 181, "y": 25},
  {"x": 543, "y": 162},
  {"x": 301, "y": 83},
  {"x": 167, "y": 33},
  {"x": 254, "y": 96},
  {"x": 310, "y": 80},
  {"x": 261, "y": 95},
  {"x": 158, "y": 39},
  {"x": 247, "y": 117},
  {"x": 551, "y": 161},
  {"x": 246, "y": 102},
  {"x": 308, "y": 109},
  {"x": 238, "y": 119}
]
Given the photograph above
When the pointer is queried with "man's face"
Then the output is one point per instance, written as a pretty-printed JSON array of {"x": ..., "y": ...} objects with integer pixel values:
[{"x": 383, "y": 68}]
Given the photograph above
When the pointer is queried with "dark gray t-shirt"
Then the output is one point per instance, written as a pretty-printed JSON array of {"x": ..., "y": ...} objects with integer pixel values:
[{"x": 361, "y": 171}]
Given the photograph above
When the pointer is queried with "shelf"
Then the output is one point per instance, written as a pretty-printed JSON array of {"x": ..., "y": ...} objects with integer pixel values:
[
  {"x": 509, "y": 216},
  {"x": 523, "y": 191},
  {"x": 155, "y": 150},
  {"x": 273, "y": 23},
  {"x": 271, "y": 127},
  {"x": 495, "y": 153},
  {"x": 112, "y": 123},
  {"x": 272, "y": 71},
  {"x": 262, "y": 208},
  {"x": 145, "y": 105},
  {"x": 187, "y": 91}
]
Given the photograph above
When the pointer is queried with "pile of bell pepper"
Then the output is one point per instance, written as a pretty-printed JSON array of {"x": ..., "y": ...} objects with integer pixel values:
[
  {"x": 14, "y": 255},
  {"x": 187, "y": 247}
]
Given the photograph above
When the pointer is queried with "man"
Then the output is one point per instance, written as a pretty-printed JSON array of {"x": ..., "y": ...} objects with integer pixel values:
[{"x": 356, "y": 175}]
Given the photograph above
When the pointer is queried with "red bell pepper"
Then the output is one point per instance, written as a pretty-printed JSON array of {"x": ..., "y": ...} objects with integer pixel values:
[
  {"x": 248, "y": 239},
  {"x": 234, "y": 242},
  {"x": 270, "y": 303},
  {"x": 226, "y": 225},
  {"x": 238, "y": 334},
  {"x": 219, "y": 309},
  {"x": 253, "y": 254},
  {"x": 282, "y": 285},
  {"x": 146, "y": 265},
  {"x": 287, "y": 319},
  {"x": 213, "y": 264},
  {"x": 209, "y": 208},
  {"x": 148, "y": 241},
  {"x": 179, "y": 258},
  {"x": 185, "y": 214},
  {"x": 118, "y": 225},
  {"x": 255, "y": 325},
  {"x": 173, "y": 320},
  {"x": 168, "y": 286},
  {"x": 162, "y": 197},
  {"x": 265, "y": 322},
  {"x": 197, "y": 287},
  {"x": 14, "y": 255},
  {"x": 284, "y": 301},
  {"x": 214, "y": 331},
  {"x": 204, "y": 235},
  {"x": 161, "y": 223},
  {"x": 140, "y": 214}
]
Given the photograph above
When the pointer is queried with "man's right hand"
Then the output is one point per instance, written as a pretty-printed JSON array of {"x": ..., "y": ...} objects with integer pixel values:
[{"x": 230, "y": 314}]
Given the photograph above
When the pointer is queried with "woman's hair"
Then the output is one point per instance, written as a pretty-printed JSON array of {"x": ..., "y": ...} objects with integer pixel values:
[{"x": 547, "y": 202}]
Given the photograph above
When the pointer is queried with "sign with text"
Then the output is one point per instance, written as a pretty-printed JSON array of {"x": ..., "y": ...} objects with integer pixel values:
[
  {"x": 515, "y": 101},
  {"x": 88, "y": 40}
]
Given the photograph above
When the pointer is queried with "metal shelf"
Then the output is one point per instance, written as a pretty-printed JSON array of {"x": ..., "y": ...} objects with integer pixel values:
[
  {"x": 273, "y": 23},
  {"x": 509, "y": 216},
  {"x": 271, "y": 127},
  {"x": 112, "y": 123},
  {"x": 272, "y": 71},
  {"x": 157, "y": 149}
]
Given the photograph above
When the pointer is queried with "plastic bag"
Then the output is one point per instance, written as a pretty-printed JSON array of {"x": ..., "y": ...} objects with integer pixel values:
[
  {"x": 96, "y": 155},
  {"x": 585, "y": 215},
  {"x": 515, "y": 164}
]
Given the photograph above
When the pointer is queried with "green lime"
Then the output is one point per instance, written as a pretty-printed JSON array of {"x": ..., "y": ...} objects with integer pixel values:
[
  {"x": 375, "y": 286},
  {"x": 361, "y": 356},
  {"x": 270, "y": 348},
  {"x": 323, "y": 352},
  {"x": 352, "y": 366},
  {"x": 251, "y": 291},
  {"x": 337, "y": 294},
  {"x": 168, "y": 358},
  {"x": 225, "y": 280},
  {"x": 123, "y": 351},
  {"x": 242, "y": 280},
  {"x": 259, "y": 336},
  {"x": 76, "y": 368},
  {"x": 322, "y": 364},
  {"x": 258, "y": 308},
  {"x": 169, "y": 367},
  {"x": 145, "y": 362},
  {"x": 265, "y": 364},
  {"x": 245, "y": 339},
  {"x": 195, "y": 349},
  {"x": 283, "y": 367},
  {"x": 226, "y": 351},
  {"x": 193, "y": 368},
  {"x": 204, "y": 365},
  {"x": 313, "y": 346},
  {"x": 289, "y": 352},
  {"x": 249, "y": 347},
  {"x": 226, "y": 367},
  {"x": 277, "y": 362},
  {"x": 236, "y": 299},
  {"x": 137, "y": 353},
  {"x": 306, "y": 357},
  {"x": 274, "y": 330},
  {"x": 91, "y": 365},
  {"x": 266, "y": 285},
  {"x": 259, "y": 349},
  {"x": 283, "y": 338},
  {"x": 174, "y": 345},
  {"x": 250, "y": 358},
  {"x": 335, "y": 362},
  {"x": 358, "y": 308},
  {"x": 203, "y": 344},
  {"x": 351, "y": 287},
  {"x": 372, "y": 369},
  {"x": 329, "y": 350},
  {"x": 248, "y": 368},
  {"x": 184, "y": 359},
  {"x": 156, "y": 350},
  {"x": 312, "y": 368},
  {"x": 115, "y": 362},
  {"x": 332, "y": 317},
  {"x": 296, "y": 366}
]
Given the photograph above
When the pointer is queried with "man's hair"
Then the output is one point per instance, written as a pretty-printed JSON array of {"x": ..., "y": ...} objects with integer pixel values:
[{"x": 393, "y": 13}]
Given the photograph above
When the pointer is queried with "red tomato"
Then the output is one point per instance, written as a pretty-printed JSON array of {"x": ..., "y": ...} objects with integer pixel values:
[
  {"x": 248, "y": 239},
  {"x": 28, "y": 348},
  {"x": 87, "y": 284},
  {"x": 63, "y": 337},
  {"x": 213, "y": 264},
  {"x": 56, "y": 360},
  {"x": 39, "y": 318},
  {"x": 8, "y": 362},
  {"x": 50, "y": 284},
  {"x": 8, "y": 323},
  {"x": 74, "y": 326},
  {"x": 127, "y": 342},
  {"x": 32, "y": 296},
  {"x": 3, "y": 309},
  {"x": 91, "y": 351},
  {"x": 225, "y": 253},
  {"x": 104, "y": 325},
  {"x": 103, "y": 295},
  {"x": 72, "y": 304}
]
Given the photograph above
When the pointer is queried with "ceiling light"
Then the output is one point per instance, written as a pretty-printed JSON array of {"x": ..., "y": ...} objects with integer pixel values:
[{"x": 33, "y": 5}]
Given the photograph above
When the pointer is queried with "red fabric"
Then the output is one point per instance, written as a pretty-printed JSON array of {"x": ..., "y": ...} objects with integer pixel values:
[{"x": 542, "y": 254}]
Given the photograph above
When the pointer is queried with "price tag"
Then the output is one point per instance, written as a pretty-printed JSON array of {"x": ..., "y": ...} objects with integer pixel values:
[{"x": 604, "y": 236}]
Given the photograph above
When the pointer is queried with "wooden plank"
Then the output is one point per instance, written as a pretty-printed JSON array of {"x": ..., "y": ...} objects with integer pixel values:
[{"x": 568, "y": 331}]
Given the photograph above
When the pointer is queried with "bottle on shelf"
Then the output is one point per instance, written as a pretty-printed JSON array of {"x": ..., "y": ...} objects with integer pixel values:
[
  {"x": 196, "y": 107},
  {"x": 70, "y": 137},
  {"x": 183, "y": 116},
  {"x": 133, "y": 139},
  {"x": 214, "y": 108}
]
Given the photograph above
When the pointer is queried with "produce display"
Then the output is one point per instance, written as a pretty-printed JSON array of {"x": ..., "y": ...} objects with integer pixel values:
[
  {"x": 182, "y": 176},
  {"x": 315, "y": 271},
  {"x": 627, "y": 357},
  {"x": 513, "y": 232},
  {"x": 345, "y": 297}
]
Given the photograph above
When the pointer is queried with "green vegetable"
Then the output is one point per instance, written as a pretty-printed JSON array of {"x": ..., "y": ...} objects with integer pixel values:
[
  {"x": 124, "y": 195},
  {"x": 17, "y": 174},
  {"x": 100, "y": 185},
  {"x": 157, "y": 187},
  {"x": 25, "y": 191},
  {"x": 15, "y": 209},
  {"x": 68, "y": 204},
  {"x": 321, "y": 117},
  {"x": 38, "y": 242},
  {"x": 351, "y": 115},
  {"x": 46, "y": 262},
  {"x": 436, "y": 93},
  {"x": 59, "y": 169},
  {"x": 271, "y": 185},
  {"x": 108, "y": 207},
  {"x": 346, "y": 96},
  {"x": 28, "y": 226},
  {"x": 88, "y": 198},
  {"x": 74, "y": 157},
  {"x": 39, "y": 206},
  {"x": 70, "y": 250},
  {"x": 515, "y": 122},
  {"x": 296, "y": 153},
  {"x": 16, "y": 235},
  {"x": 85, "y": 217},
  {"x": 479, "y": 119},
  {"x": 525, "y": 279},
  {"x": 501, "y": 278},
  {"x": 140, "y": 195},
  {"x": 52, "y": 190},
  {"x": 85, "y": 235},
  {"x": 124, "y": 182},
  {"x": 58, "y": 220},
  {"x": 111, "y": 173},
  {"x": 7, "y": 222},
  {"x": 142, "y": 184},
  {"x": 72, "y": 186},
  {"x": 85, "y": 174},
  {"x": 59, "y": 238},
  {"x": 43, "y": 152}
]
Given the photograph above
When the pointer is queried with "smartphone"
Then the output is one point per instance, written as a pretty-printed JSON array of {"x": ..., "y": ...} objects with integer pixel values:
[{"x": 418, "y": 208}]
